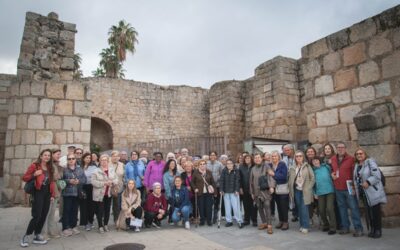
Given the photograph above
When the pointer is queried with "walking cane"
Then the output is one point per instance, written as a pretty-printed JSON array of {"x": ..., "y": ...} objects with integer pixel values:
[
  {"x": 219, "y": 211},
  {"x": 196, "y": 223}
]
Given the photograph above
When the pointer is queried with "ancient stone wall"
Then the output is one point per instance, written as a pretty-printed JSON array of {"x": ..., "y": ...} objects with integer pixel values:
[{"x": 142, "y": 112}]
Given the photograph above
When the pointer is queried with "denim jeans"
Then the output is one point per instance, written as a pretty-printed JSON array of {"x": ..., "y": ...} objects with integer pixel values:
[
  {"x": 70, "y": 212},
  {"x": 232, "y": 202},
  {"x": 345, "y": 201},
  {"x": 185, "y": 212},
  {"x": 302, "y": 209}
]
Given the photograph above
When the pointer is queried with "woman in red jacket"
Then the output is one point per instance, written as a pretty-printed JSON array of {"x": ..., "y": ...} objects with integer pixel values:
[{"x": 41, "y": 170}]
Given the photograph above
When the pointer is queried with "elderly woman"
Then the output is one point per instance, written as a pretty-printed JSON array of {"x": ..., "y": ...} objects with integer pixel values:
[
  {"x": 42, "y": 172},
  {"x": 262, "y": 195},
  {"x": 369, "y": 188},
  {"x": 301, "y": 183},
  {"x": 130, "y": 207},
  {"x": 155, "y": 207},
  {"x": 204, "y": 187},
  {"x": 119, "y": 169},
  {"x": 74, "y": 177},
  {"x": 102, "y": 181},
  {"x": 281, "y": 195}
]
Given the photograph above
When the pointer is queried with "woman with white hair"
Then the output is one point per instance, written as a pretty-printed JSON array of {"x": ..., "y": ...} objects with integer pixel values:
[
  {"x": 119, "y": 169},
  {"x": 155, "y": 207}
]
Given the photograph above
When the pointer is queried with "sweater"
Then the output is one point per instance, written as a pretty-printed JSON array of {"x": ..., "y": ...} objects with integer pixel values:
[
  {"x": 323, "y": 180},
  {"x": 229, "y": 181},
  {"x": 345, "y": 170},
  {"x": 154, "y": 173},
  {"x": 134, "y": 170},
  {"x": 153, "y": 203}
]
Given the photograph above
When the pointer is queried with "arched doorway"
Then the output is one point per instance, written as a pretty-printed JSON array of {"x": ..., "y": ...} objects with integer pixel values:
[{"x": 101, "y": 138}]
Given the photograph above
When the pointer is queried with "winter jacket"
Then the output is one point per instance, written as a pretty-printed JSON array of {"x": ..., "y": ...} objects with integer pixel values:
[
  {"x": 229, "y": 181},
  {"x": 39, "y": 179},
  {"x": 281, "y": 172},
  {"x": 345, "y": 170},
  {"x": 323, "y": 180},
  {"x": 154, "y": 173},
  {"x": 99, "y": 178},
  {"x": 69, "y": 174},
  {"x": 126, "y": 208},
  {"x": 180, "y": 198},
  {"x": 198, "y": 182},
  {"x": 369, "y": 172},
  {"x": 256, "y": 172},
  {"x": 309, "y": 180},
  {"x": 244, "y": 172},
  {"x": 134, "y": 170},
  {"x": 153, "y": 203},
  {"x": 216, "y": 168},
  {"x": 168, "y": 181}
]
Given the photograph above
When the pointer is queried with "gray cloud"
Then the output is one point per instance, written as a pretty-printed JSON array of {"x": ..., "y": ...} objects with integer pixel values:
[{"x": 196, "y": 42}]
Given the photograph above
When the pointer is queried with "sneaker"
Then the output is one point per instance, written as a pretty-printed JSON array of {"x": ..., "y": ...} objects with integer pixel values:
[
  {"x": 155, "y": 225},
  {"x": 300, "y": 229},
  {"x": 187, "y": 225},
  {"x": 304, "y": 230},
  {"x": 54, "y": 236},
  {"x": 101, "y": 230},
  {"x": 88, "y": 227},
  {"x": 137, "y": 229},
  {"x": 228, "y": 224},
  {"x": 39, "y": 239},
  {"x": 25, "y": 241},
  {"x": 331, "y": 232},
  {"x": 106, "y": 228},
  {"x": 75, "y": 230},
  {"x": 240, "y": 225},
  {"x": 66, "y": 233}
]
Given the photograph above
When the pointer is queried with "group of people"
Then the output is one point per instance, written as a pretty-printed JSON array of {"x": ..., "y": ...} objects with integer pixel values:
[{"x": 186, "y": 190}]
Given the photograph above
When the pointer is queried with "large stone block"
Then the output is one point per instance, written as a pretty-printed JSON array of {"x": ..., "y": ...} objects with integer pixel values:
[
  {"x": 353, "y": 132},
  {"x": 338, "y": 133},
  {"x": 311, "y": 69},
  {"x": 339, "y": 39},
  {"x": 391, "y": 65},
  {"x": 82, "y": 137},
  {"x": 385, "y": 155},
  {"x": 392, "y": 207},
  {"x": 75, "y": 91},
  {"x": 63, "y": 107},
  {"x": 46, "y": 106},
  {"x": 37, "y": 88},
  {"x": 16, "y": 137},
  {"x": 19, "y": 151},
  {"x": 67, "y": 63},
  {"x": 44, "y": 137},
  {"x": 55, "y": 90},
  {"x": 317, "y": 135},
  {"x": 35, "y": 122},
  {"x": 362, "y": 30},
  {"x": 60, "y": 138},
  {"x": 345, "y": 79},
  {"x": 25, "y": 88},
  {"x": 383, "y": 89},
  {"x": 314, "y": 105},
  {"x": 347, "y": 113},
  {"x": 332, "y": 62},
  {"x": 337, "y": 99},
  {"x": 28, "y": 137},
  {"x": 385, "y": 135},
  {"x": 379, "y": 45},
  {"x": 315, "y": 49},
  {"x": 9, "y": 152},
  {"x": 327, "y": 117},
  {"x": 363, "y": 94},
  {"x": 323, "y": 85},
  {"x": 53, "y": 122},
  {"x": 85, "y": 124},
  {"x": 354, "y": 54},
  {"x": 32, "y": 151},
  {"x": 374, "y": 117},
  {"x": 72, "y": 123},
  {"x": 30, "y": 105},
  {"x": 82, "y": 108},
  {"x": 12, "y": 122},
  {"x": 392, "y": 184},
  {"x": 368, "y": 72},
  {"x": 19, "y": 166},
  {"x": 67, "y": 35}
]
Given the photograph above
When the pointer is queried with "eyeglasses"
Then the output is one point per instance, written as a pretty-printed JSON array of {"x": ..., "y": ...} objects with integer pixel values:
[
  {"x": 78, "y": 153},
  {"x": 70, "y": 159}
]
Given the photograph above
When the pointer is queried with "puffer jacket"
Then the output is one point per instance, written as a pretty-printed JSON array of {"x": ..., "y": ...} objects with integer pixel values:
[
  {"x": 77, "y": 173},
  {"x": 229, "y": 181},
  {"x": 369, "y": 172},
  {"x": 99, "y": 178}
]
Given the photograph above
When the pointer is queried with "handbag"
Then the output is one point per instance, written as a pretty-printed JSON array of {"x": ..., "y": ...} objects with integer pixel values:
[
  {"x": 114, "y": 190},
  {"x": 29, "y": 187},
  {"x": 282, "y": 188},
  {"x": 61, "y": 184},
  {"x": 210, "y": 188},
  {"x": 263, "y": 181}
]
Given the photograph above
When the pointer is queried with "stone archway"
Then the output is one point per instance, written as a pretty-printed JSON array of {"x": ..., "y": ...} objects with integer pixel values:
[{"x": 101, "y": 135}]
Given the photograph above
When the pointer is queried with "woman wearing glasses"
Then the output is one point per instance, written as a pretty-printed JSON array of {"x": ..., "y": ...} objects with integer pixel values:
[
  {"x": 369, "y": 188},
  {"x": 74, "y": 177},
  {"x": 301, "y": 183}
]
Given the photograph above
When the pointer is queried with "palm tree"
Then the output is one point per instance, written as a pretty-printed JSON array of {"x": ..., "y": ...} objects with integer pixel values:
[
  {"x": 77, "y": 65},
  {"x": 99, "y": 72},
  {"x": 109, "y": 62},
  {"x": 123, "y": 38}
]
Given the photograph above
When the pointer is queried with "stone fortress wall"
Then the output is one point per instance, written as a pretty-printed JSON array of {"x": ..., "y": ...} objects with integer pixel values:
[{"x": 345, "y": 87}]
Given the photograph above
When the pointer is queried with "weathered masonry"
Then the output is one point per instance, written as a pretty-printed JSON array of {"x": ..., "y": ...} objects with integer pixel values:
[{"x": 345, "y": 87}]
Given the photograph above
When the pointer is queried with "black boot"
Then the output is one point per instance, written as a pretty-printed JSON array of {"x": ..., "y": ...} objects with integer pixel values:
[
  {"x": 371, "y": 232},
  {"x": 377, "y": 234}
]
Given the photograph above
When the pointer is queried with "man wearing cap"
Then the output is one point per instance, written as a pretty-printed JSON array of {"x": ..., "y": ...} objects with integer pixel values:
[{"x": 63, "y": 159}]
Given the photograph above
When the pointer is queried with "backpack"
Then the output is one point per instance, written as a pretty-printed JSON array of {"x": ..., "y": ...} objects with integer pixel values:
[{"x": 383, "y": 178}]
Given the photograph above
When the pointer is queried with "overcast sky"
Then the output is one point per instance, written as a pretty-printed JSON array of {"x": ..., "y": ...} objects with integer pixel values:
[{"x": 196, "y": 42}]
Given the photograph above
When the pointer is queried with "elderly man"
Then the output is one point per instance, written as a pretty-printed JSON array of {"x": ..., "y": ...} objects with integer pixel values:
[
  {"x": 63, "y": 159},
  {"x": 123, "y": 157},
  {"x": 288, "y": 158},
  {"x": 144, "y": 157},
  {"x": 78, "y": 155},
  {"x": 184, "y": 152},
  {"x": 342, "y": 173}
]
